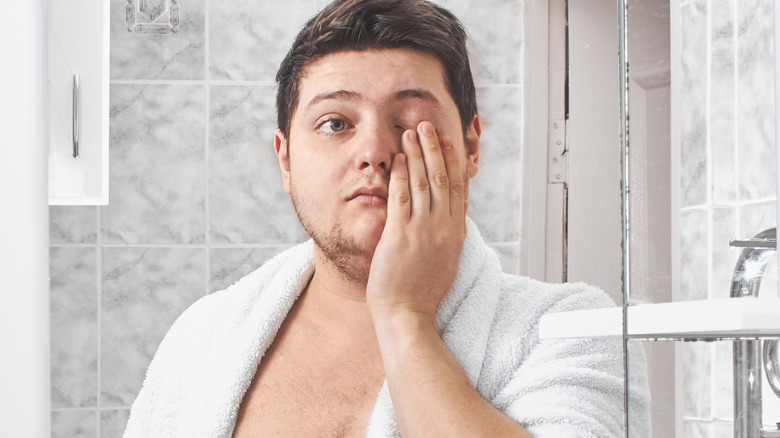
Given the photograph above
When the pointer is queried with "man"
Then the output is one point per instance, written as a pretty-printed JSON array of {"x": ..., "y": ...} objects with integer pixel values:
[{"x": 395, "y": 320}]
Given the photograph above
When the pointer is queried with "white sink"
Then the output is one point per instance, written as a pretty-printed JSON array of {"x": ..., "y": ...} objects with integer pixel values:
[{"x": 716, "y": 318}]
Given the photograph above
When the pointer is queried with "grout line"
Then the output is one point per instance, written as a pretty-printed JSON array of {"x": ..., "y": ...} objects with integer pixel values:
[
  {"x": 197, "y": 81},
  {"x": 152, "y": 245},
  {"x": 207, "y": 147},
  {"x": 735, "y": 30},
  {"x": 221, "y": 83},
  {"x": 735, "y": 115},
  {"x": 76, "y": 408},
  {"x": 177, "y": 245},
  {"x": 73, "y": 245},
  {"x": 709, "y": 154},
  {"x": 733, "y": 204},
  {"x": 759, "y": 201},
  {"x": 91, "y": 408},
  {"x": 254, "y": 245},
  {"x": 699, "y": 207},
  {"x": 247, "y": 83},
  {"x": 99, "y": 241},
  {"x": 157, "y": 82}
]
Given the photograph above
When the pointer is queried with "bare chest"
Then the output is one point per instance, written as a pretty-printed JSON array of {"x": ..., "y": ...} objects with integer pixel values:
[{"x": 301, "y": 391}]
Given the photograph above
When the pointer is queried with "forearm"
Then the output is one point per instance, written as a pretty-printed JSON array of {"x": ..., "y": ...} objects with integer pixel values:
[{"x": 431, "y": 394}]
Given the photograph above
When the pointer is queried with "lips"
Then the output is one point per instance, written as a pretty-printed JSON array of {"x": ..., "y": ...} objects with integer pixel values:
[{"x": 372, "y": 195}]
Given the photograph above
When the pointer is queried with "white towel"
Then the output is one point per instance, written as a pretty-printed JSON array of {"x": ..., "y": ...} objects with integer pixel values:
[{"x": 198, "y": 377}]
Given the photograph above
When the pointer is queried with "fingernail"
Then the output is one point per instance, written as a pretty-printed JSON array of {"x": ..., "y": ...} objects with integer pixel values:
[
  {"x": 427, "y": 128},
  {"x": 411, "y": 135}
]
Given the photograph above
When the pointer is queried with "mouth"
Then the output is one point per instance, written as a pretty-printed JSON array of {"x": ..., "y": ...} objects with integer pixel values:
[{"x": 370, "y": 195}]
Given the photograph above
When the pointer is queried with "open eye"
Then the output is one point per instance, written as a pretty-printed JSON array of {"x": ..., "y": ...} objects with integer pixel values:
[{"x": 332, "y": 126}]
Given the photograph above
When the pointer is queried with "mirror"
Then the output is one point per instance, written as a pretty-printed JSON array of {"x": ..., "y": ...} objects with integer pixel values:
[
  {"x": 195, "y": 196},
  {"x": 192, "y": 119},
  {"x": 702, "y": 163}
]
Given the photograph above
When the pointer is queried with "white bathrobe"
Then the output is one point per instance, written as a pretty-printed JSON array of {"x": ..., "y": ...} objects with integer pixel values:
[{"x": 489, "y": 320}]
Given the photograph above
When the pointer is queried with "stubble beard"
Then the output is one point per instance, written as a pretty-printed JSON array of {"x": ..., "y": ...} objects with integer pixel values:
[{"x": 340, "y": 249}]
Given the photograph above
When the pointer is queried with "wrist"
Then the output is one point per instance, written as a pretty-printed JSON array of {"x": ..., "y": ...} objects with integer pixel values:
[{"x": 397, "y": 317}]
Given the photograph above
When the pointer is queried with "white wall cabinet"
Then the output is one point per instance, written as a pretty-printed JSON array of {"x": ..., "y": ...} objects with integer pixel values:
[{"x": 78, "y": 76}]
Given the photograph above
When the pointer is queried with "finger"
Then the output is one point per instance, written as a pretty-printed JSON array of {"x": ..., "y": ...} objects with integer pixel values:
[
  {"x": 419, "y": 188},
  {"x": 398, "y": 199},
  {"x": 457, "y": 183},
  {"x": 435, "y": 168}
]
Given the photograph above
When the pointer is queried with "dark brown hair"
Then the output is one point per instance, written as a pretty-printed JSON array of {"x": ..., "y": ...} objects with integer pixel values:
[{"x": 379, "y": 24}]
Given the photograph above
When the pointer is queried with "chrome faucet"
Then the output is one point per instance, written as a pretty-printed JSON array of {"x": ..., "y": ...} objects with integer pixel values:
[{"x": 746, "y": 281}]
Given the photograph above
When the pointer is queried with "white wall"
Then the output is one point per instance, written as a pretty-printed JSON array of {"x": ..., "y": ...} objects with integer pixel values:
[
  {"x": 24, "y": 313},
  {"x": 594, "y": 222}
]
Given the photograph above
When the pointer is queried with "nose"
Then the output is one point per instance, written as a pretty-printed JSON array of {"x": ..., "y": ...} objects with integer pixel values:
[{"x": 377, "y": 145}]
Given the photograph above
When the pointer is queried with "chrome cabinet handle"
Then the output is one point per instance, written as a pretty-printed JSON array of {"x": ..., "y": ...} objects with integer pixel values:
[{"x": 75, "y": 115}]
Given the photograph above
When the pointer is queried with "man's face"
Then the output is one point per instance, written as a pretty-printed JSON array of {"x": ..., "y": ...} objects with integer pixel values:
[{"x": 353, "y": 108}]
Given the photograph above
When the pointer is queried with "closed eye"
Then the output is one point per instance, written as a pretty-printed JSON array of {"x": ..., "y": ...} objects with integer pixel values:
[{"x": 400, "y": 128}]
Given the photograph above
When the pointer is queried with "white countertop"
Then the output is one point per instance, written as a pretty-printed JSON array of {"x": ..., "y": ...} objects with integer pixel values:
[{"x": 714, "y": 318}]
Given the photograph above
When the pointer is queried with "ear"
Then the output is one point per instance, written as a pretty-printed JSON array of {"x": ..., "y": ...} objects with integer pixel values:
[
  {"x": 472, "y": 145},
  {"x": 281, "y": 146}
]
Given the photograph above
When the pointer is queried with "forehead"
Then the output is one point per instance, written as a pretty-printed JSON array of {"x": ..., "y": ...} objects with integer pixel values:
[{"x": 374, "y": 74}]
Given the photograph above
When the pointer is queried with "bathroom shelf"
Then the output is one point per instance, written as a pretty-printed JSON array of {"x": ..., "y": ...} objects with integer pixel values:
[{"x": 714, "y": 319}]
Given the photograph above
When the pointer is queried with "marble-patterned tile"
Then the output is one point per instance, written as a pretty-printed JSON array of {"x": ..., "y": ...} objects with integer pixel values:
[
  {"x": 179, "y": 55},
  {"x": 74, "y": 326},
  {"x": 694, "y": 253},
  {"x": 724, "y": 257},
  {"x": 693, "y": 102},
  {"x": 755, "y": 88},
  {"x": 509, "y": 255},
  {"x": 113, "y": 422},
  {"x": 495, "y": 192},
  {"x": 697, "y": 380},
  {"x": 72, "y": 224},
  {"x": 320, "y": 4},
  {"x": 495, "y": 38},
  {"x": 74, "y": 423},
  {"x": 723, "y": 381},
  {"x": 694, "y": 428},
  {"x": 722, "y": 429},
  {"x": 229, "y": 265},
  {"x": 144, "y": 291},
  {"x": 157, "y": 165},
  {"x": 247, "y": 203},
  {"x": 723, "y": 127},
  {"x": 723, "y": 34},
  {"x": 755, "y": 218},
  {"x": 248, "y": 39}
]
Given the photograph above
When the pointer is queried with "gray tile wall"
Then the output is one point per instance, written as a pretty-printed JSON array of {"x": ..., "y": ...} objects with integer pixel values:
[
  {"x": 728, "y": 179},
  {"x": 195, "y": 194}
]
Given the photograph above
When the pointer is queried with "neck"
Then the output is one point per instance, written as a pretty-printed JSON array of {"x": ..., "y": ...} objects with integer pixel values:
[
  {"x": 335, "y": 305},
  {"x": 329, "y": 279}
]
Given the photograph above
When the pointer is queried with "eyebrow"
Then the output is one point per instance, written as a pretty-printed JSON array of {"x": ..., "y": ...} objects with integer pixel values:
[
  {"x": 417, "y": 94},
  {"x": 351, "y": 96},
  {"x": 341, "y": 95}
]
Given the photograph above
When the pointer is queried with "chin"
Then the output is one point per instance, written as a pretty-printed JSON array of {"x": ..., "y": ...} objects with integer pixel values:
[{"x": 370, "y": 233}]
